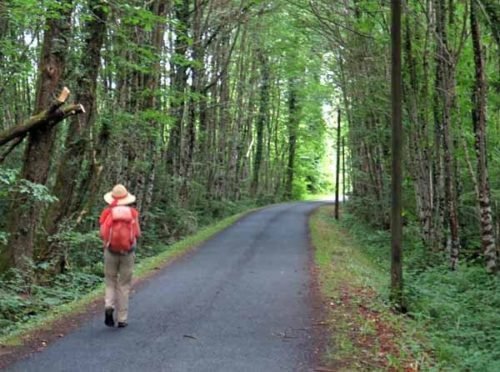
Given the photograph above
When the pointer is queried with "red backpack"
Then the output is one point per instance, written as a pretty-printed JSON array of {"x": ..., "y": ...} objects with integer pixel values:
[{"x": 119, "y": 229}]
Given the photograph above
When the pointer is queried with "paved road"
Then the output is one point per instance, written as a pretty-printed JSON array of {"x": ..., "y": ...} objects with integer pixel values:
[{"x": 239, "y": 303}]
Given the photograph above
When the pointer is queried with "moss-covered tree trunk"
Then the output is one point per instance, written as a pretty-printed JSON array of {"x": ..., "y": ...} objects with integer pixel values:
[
  {"x": 70, "y": 166},
  {"x": 24, "y": 212}
]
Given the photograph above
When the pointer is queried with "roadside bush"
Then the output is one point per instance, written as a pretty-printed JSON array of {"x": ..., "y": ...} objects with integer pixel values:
[
  {"x": 458, "y": 310},
  {"x": 82, "y": 250},
  {"x": 21, "y": 300}
]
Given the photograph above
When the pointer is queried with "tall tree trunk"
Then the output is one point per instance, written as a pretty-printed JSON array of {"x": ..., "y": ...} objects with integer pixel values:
[
  {"x": 238, "y": 144},
  {"x": 419, "y": 154},
  {"x": 24, "y": 213},
  {"x": 223, "y": 118},
  {"x": 261, "y": 120},
  {"x": 479, "y": 95},
  {"x": 337, "y": 168},
  {"x": 76, "y": 141},
  {"x": 445, "y": 85},
  {"x": 195, "y": 96},
  {"x": 293, "y": 124},
  {"x": 397, "y": 147},
  {"x": 179, "y": 84},
  {"x": 344, "y": 179},
  {"x": 151, "y": 82}
]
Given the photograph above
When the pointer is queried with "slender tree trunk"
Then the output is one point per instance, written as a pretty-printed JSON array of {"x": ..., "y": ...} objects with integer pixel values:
[
  {"x": 195, "y": 96},
  {"x": 261, "y": 121},
  {"x": 397, "y": 147},
  {"x": 344, "y": 182},
  {"x": 238, "y": 137},
  {"x": 152, "y": 102},
  {"x": 293, "y": 122},
  {"x": 479, "y": 95},
  {"x": 224, "y": 118},
  {"x": 337, "y": 168}
]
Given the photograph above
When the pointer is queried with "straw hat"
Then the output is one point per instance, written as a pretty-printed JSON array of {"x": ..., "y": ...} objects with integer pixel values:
[{"x": 119, "y": 195}]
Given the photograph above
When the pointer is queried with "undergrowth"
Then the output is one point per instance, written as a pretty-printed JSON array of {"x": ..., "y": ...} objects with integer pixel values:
[
  {"x": 363, "y": 332},
  {"x": 458, "y": 310}
]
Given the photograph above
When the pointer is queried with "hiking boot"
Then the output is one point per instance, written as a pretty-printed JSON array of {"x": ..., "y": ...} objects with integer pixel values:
[
  {"x": 108, "y": 317},
  {"x": 122, "y": 324}
]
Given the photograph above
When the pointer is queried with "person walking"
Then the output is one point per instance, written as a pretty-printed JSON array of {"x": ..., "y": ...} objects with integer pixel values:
[{"x": 119, "y": 230}]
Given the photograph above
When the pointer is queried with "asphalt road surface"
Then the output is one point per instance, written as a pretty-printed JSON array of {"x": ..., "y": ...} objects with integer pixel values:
[{"x": 241, "y": 302}]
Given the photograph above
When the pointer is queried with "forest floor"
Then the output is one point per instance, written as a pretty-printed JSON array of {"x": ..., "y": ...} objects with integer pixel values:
[{"x": 362, "y": 332}]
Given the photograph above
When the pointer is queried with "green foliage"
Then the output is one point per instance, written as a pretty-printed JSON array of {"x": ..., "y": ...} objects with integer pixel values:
[
  {"x": 9, "y": 185},
  {"x": 21, "y": 300},
  {"x": 457, "y": 309},
  {"x": 82, "y": 250},
  {"x": 172, "y": 223},
  {"x": 460, "y": 310}
]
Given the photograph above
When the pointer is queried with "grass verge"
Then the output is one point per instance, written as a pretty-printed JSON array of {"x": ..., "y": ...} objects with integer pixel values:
[
  {"x": 364, "y": 334},
  {"x": 457, "y": 310},
  {"x": 145, "y": 268}
]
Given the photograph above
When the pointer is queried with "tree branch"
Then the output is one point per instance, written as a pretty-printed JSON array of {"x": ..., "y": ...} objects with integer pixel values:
[
  {"x": 11, "y": 147},
  {"x": 51, "y": 116}
]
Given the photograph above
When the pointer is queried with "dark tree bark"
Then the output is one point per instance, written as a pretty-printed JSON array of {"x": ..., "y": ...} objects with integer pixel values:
[
  {"x": 48, "y": 117},
  {"x": 261, "y": 120},
  {"x": 397, "y": 153},
  {"x": 69, "y": 169},
  {"x": 24, "y": 213}
]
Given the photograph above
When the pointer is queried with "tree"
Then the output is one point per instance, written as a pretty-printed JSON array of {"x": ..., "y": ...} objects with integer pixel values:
[
  {"x": 23, "y": 221},
  {"x": 397, "y": 146},
  {"x": 337, "y": 167},
  {"x": 479, "y": 95},
  {"x": 293, "y": 122},
  {"x": 77, "y": 137}
]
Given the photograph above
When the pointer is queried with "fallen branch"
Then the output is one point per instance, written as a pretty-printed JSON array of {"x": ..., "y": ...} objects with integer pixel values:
[
  {"x": 11, "y": 147},
  {"x": 51, "y": 116}
]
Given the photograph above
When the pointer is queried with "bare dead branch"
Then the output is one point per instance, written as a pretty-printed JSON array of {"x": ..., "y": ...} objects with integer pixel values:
[{"x": 51, "y": 116}]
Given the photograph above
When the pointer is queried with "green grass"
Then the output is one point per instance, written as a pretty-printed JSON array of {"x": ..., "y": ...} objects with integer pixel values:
[
  {"x": 143, "y": 269},
  {"x": 457, "y": 311},
  {"x": 364, "y": 332}
]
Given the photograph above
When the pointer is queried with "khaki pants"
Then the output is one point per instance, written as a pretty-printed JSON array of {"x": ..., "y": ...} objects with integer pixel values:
[{"x": 118, "y": 273}]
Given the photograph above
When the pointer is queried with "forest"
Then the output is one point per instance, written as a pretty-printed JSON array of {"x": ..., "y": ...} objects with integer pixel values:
[{"x": 206, "y": 108}]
